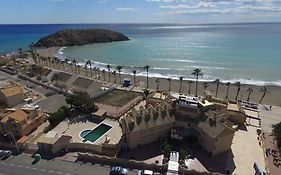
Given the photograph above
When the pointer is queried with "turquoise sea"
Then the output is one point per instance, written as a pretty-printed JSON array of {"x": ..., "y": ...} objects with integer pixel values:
[{"x": 250, "y": 53}]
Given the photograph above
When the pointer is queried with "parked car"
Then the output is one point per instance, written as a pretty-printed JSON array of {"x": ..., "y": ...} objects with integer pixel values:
[
  {"x": 117, "y": 170},
  {"x": 1, "y": 153},
  {"x": 145, "y": 172},
  {"x": 6, "y": 154}
]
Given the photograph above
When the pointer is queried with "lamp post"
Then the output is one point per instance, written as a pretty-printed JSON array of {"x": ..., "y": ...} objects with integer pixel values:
[{"x": 14, "y": 140}]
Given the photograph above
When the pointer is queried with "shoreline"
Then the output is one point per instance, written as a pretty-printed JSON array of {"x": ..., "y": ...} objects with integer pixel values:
[{"x": 272, "y": 98}]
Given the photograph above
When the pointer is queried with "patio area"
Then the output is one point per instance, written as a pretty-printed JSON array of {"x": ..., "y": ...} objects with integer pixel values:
[{"x": 75, "y": 128}]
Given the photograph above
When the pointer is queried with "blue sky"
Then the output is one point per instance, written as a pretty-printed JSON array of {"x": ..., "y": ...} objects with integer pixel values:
[{"x": 139, "y": 11}]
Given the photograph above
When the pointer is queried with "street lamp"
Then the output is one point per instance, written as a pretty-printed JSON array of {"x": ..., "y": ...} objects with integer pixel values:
[{"x": 14, "y": 140}]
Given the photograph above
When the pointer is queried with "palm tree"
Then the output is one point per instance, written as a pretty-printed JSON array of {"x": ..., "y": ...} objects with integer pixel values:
[
  {"x": 134, "y": 72},
  {"x": 20, "y": 52},
  {"x": 103, "y": 71},
  {"x": 189, "y": 88},
  {"x": 108, "y": 69},
  {"x": 119, "y": 68},
  {"x": 218, "y": 82},
  {"x": 197, "y": 73},
  {"x": 66, "y": 62},
  {"x": 181, "y": 79},
  {"x": 79, "y": 69},
  {"x": 146, "y": 67},
  {"x": 114, "y": 76},
  {"x": 169, "y": 80},
  {"x": 98, "y": 71},
  {"x": 205, "y": 85},
  {"x": 146, "y": 93},
  {"x": 227, "y": 90},
  {"x": 86, "y": 69},
  {"x": 264, "y": 90},
  {"x": 238, "y": 84},
  {"x": 158, "y": 83},
  {"x": 250, "y": 91},
  {"x": 49, "y": 61},
  {"x": 75, "y": 65},
  {"x": 89, "y": 62},
  {"x": 95, "y": 71}
]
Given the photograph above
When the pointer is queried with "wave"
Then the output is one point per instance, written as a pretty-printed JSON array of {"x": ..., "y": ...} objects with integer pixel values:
[
  {"x": 176, "y": 60},
  {"x": 128, "y": 70}
]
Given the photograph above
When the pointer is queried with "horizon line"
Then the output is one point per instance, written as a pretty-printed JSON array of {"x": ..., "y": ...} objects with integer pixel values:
[{"x": 177, "y": 23}]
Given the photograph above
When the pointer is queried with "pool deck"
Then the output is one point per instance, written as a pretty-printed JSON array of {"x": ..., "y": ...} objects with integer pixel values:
[{"x": 74, "y": 130}]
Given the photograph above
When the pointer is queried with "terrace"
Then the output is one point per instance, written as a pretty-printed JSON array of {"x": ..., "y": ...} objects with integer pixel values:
[{"x": 117, "y": 102}]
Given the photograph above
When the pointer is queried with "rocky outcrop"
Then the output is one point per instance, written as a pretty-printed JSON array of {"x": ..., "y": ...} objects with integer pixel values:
[{"x": 77, "y": 37}]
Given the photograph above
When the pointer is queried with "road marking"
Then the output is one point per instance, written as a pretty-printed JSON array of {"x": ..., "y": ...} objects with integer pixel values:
[
  {"x": 34, "y": 168},
  {"x": 4, "y": 163},
  {"x": 59, "y": 172},
  {"x": 42, "y": 169},
  {"x": 20, "y": 166},
  {"x": 11, "y": 164},
  {"x": 27, "y": 167},
  {"x": 51, "y": 171},
  {"x": 67, "y": 173}
]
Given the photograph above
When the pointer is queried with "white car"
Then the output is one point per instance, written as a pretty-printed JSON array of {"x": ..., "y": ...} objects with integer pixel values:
[{"x": 145, "y": 172}]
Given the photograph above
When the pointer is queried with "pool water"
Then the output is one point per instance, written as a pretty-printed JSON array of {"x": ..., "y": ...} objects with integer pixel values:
[
  {"x": 95, "y": 134},
  {"x": 84, "y": 133}
]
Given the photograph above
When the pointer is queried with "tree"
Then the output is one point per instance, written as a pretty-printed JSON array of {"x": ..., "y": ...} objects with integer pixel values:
[
  {"x": 60, "y": 115},
  {"x": 169, "y": 81},
  {"x": 119, "y": 68},
  {"x": 134, "y": 72},
  {"x": 250, "y": 91},
  {"x": 189, "y": 88},
  {"x": 98, "y": 71},
  {"x": 108, "y": 69},
  {"x": 79, "y": 69},
  {"x": 218, "y": 82},
  {"x": 81, "y": 102},
  {"x": 103, "y": 71},
  {"x": 158, "y": 83},
  {"x": 181, "y": 79},
  {"x": 183, "y": 154},
  {"x": 20, "y": 52},
  {"x": 36, "y": 70},
  {"x": 264, "y": 90},
  {"x": 276, "y": 131},
  {"x": 197, "y": 73},
  {"x": 86, "y": 68},
  {"x": 238, "y": 84},
  {"x": 227, "y": 90},
  {"x": 114, "y": 76},
  {"x": 66, "y": 61},
  {"x": 56, "y": 77},
  {"x": 205, "y": 85},
  {"x": 146, "y": 67},
  {"x": 89, "y": 62},
  {"x": 74, "y": 62}
]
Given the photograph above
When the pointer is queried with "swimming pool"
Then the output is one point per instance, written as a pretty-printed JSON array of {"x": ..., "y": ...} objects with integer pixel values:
[{"x": 95, "y": 134}]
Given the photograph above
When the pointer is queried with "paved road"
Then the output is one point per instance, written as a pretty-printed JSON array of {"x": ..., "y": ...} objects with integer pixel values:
[
  {"x": 269, "y": 117},
  {"x": 22, "y": 165}
]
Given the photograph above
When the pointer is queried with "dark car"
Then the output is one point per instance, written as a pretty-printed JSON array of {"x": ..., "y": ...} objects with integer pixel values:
[{"x": 117, "y": 170}]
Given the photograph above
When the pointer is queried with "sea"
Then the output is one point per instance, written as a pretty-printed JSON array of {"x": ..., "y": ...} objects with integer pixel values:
[{"x": 245, "y": 52}]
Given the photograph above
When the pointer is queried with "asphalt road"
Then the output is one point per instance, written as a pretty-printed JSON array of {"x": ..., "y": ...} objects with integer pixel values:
[{"x": 22, "y": 165}]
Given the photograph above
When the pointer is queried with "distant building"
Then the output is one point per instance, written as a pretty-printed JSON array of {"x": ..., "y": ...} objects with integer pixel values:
[
  {"x": 21, "y": 122},
  {"x": 11, "y": 95},
  {"x": 148, "y": 124},
  {"x": 215, "y": 134}
]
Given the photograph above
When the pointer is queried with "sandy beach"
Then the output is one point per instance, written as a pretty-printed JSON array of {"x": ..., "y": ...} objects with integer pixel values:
[{"x": 272, "y": 98}]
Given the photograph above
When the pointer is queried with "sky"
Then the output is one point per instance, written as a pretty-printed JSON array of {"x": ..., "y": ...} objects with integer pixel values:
[{"x": 138, "y": 11}]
